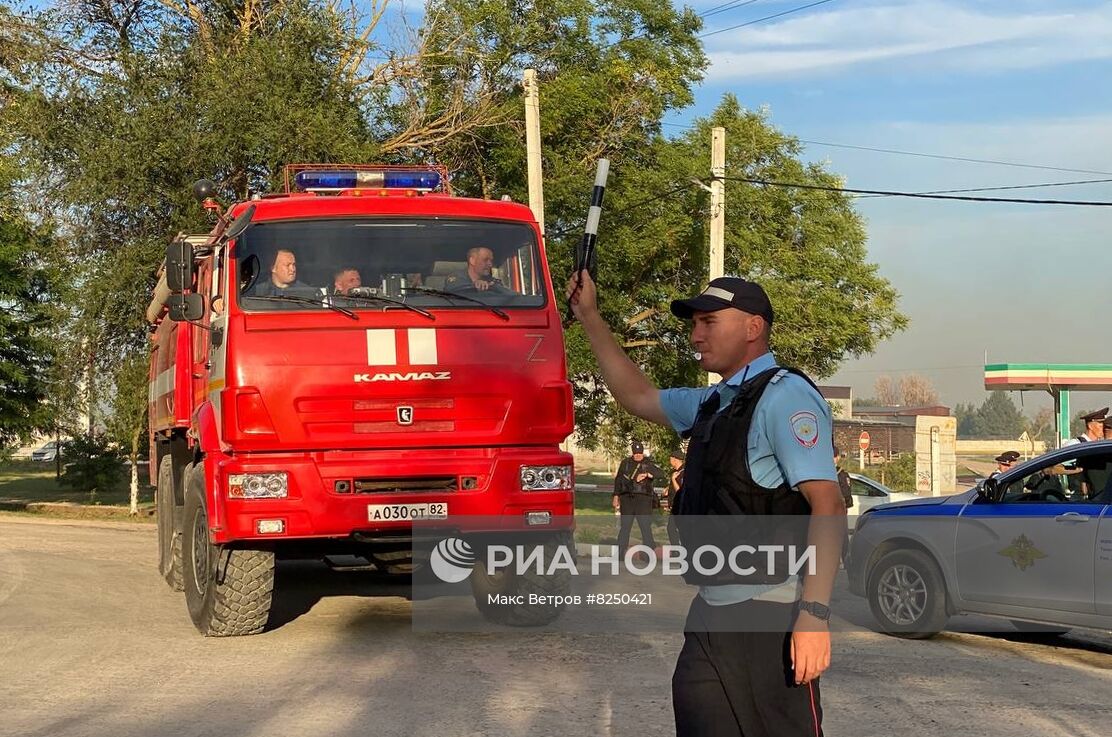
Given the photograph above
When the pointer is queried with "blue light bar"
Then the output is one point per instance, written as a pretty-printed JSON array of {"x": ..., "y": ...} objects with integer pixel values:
[{"x": 425, "y": 180}]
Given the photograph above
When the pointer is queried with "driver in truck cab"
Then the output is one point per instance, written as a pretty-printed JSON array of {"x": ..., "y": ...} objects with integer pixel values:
[
  {"x": 283, "y": 275},
  {"x": 479, "y": 273}
]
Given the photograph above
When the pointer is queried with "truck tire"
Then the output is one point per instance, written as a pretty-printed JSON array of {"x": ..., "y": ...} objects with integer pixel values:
[
  {"x": 228, "y": 591},
  {"x": 169, "y": 531},
  {"x": 509, "y": 582},
  {"x": 907, "y": 595}
]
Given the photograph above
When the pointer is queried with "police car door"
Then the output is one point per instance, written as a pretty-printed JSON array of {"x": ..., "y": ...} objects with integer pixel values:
[{"x": 1034, "y": 548}]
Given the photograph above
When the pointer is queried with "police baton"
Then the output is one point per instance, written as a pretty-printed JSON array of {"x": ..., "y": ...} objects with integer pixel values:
[{"x": 585, "y": 254}]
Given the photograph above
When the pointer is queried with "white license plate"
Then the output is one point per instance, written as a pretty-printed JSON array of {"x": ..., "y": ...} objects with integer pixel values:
[{"x": 402, "y": 512}]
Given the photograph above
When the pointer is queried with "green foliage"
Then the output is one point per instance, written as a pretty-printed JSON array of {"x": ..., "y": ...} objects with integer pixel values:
[
  {"x": 997, "y": 418},
  {"x": 127, "y": 421},
  {"x": 92, "y": 465},
  {"x": 25, "y": 315},
  {"x": 897, "y": 475}
]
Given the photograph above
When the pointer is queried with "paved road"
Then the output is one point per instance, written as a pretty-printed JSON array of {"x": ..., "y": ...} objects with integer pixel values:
[{"x": 92, "y": 643}]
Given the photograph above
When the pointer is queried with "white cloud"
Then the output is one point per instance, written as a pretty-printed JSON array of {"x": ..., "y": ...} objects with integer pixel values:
[{"x": 932, "y": 35}]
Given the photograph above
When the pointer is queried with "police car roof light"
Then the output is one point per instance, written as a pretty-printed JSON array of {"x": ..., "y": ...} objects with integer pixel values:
[{"x": 340, "y": 179}]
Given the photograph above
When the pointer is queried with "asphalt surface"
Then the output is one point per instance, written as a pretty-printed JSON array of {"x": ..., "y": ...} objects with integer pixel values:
[{"x": 93, "y": 643}]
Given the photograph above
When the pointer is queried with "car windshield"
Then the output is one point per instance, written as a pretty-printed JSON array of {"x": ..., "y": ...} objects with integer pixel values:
[{"x": 360, "y": 263}]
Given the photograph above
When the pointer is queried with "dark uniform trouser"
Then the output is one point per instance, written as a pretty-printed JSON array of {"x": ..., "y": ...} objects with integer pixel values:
[
  {"x": 731, "y": 684},
  {"x": 635, "y": 507}
]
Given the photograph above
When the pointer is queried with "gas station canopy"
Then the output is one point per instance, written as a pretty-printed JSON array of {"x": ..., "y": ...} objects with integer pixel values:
[{"x": 1058, "y": 379}]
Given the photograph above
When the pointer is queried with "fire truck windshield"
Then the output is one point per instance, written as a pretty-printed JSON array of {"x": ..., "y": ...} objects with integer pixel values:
[{"x": 423, "y": 261}]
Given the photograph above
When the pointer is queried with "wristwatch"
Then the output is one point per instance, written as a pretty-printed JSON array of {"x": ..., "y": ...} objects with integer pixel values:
[{"x": 816, "y": 610}]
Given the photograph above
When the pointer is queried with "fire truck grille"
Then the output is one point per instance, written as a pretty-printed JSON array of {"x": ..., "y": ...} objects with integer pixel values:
[{"x": 406, "y": 484}]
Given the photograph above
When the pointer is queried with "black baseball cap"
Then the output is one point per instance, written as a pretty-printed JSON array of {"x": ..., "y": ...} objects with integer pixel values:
[
  {"x": 636, "y": 447},
  {"x": 678, "y": 455},
  {"x": 723, "y": 292}
]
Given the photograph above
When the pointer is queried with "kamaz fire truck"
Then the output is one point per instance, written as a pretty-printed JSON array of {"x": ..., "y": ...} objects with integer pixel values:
[{"x": 335, "y": 361}]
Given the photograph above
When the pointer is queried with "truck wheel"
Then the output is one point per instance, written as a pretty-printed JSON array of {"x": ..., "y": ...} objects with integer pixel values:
[
  {"x": 227, "y": 590},
  {"x": 169, "y": 535},
  {"x": 907, "y": 595},
  {"x": 509, "y": 582}
]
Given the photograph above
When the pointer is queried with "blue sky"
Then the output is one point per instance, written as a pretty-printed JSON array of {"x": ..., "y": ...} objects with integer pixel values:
[{"x": 1009, "y": 80}]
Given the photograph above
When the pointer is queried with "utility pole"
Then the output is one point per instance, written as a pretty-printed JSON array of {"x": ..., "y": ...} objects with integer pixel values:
[
  {"x": 717, "y": 202},
  {"x": 533, "y": 146},
  {"x": 717, "y": 212}
]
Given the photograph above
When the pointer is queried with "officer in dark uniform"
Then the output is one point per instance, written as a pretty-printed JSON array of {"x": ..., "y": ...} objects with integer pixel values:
[
  {"x": 633, "y": 495},
  {"x": 1094, "y": 428},
  {"x": 1004, "y": 461},
  {"x": 752, "y": 652}
]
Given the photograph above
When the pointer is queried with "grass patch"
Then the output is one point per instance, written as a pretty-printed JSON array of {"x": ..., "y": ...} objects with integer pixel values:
[
  {"x": 596, "y": 523},
  {"x": 29, "y": 482}
]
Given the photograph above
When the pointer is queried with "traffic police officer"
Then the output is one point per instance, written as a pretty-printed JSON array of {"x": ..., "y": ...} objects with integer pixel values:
[
  {"x": 1004, "y": 461},
  {"x": 763, "y": 681},
  {"x": 1094, "y": 428}
]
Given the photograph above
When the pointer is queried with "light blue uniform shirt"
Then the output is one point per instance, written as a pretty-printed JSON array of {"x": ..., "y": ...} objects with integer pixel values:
[{"x": 791, "y": 439}]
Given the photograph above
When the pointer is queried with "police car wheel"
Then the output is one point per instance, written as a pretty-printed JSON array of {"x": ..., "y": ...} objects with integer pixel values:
[
  {"x": 509, "y": 583},
  {"x": 228, "y": 591},
  {"x": 907, "y": 595},
  {"x": 169, "y": 536}
]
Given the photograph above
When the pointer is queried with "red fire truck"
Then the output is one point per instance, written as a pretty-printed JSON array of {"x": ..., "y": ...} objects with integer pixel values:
[{"x": 338, "y": 360}]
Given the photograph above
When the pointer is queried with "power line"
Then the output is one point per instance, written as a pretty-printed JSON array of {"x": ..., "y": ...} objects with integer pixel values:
[
  {"x": 950, "y": 158},
  {"x": 932, "y": 156},
  {"x": 767, "y": 17},
  {"x": 726, "y": 6},
  {"x": 920, "y": 195},
  {"x": 623, "y": 210},
  {"x": 1011, "y": 186}
]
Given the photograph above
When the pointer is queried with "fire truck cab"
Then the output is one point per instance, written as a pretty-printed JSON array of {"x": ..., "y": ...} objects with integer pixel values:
[{"x": 332, "y": 363}]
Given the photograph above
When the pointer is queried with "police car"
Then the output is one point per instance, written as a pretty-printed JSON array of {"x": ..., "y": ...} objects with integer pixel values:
[{"x": 1032, "y": 545}]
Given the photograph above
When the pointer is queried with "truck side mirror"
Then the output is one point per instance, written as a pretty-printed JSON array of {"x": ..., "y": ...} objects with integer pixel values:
[
  {"x": 186, "y": 307},
  {"x": 239, "y": 224},
  {"x": 179, "y": 266}
]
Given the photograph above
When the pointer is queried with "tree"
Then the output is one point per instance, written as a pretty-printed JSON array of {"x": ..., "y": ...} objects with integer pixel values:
[
  {"x": 1041, "y": 427},
  {"x": 887, "y": 392},
  {"x": 119, "y": 105},
  {"x": 966, "y": 414},
  {"x": 127, "y": 423},
  {"x": 909, "y": 390},
  {"x": 26, "y": 356},
  {"x": 998, "y": 417},
  {"x": 916, "y": 390}
]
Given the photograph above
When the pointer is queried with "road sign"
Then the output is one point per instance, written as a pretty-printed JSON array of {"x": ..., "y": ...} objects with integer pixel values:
[{"x": 863, "y": 441}]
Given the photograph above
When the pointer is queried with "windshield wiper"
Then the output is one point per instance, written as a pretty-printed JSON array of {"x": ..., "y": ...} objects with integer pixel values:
[
  {"x": 302, "y": 300},
  {"x": 452, "y": 295},
  {"x": 389, "y": 300}
]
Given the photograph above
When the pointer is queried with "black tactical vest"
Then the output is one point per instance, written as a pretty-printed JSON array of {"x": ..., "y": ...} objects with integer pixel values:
[{"x": 720, "y": 503}]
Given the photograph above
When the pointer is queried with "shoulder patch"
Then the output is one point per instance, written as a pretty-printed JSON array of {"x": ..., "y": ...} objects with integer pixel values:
[
  {"x": 452, "y": 279},
  {"x": 805, "y": 428}
]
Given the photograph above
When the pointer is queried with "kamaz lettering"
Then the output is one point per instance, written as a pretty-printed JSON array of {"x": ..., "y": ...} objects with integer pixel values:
[{"x": 410, "y": 376}]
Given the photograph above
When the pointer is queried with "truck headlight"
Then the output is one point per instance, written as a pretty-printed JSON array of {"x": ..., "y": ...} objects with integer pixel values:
[
  {"x": 274, "y": 485},
  {"x": 545, "y": 478}
]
